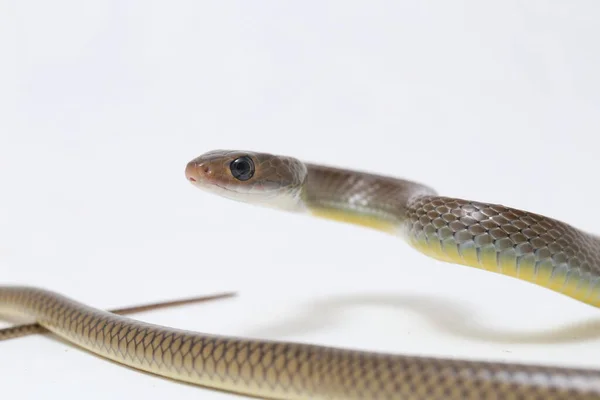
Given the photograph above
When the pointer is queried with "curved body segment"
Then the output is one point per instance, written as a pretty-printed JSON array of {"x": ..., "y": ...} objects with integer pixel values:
[
  {"x": 17, "y": 331},
  {"x": 492, "y": 237}
]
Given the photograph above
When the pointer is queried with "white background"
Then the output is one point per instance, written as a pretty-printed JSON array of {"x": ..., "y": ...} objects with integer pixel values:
[{"x": 103, "y": 103}]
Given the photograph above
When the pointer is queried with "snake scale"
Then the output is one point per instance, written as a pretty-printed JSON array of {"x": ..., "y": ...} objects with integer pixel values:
[{"x": 500, "y": 239}]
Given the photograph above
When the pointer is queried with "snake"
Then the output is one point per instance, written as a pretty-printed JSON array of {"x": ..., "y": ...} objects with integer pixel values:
[
  {"x": 17, "y": 331},
  {"x": 491, "y": 237}
]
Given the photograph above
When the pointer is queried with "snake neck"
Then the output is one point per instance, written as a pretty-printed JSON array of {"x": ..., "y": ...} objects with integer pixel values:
[
  {"x": 359, "y": 198},
  {"x": 491, "y": 237}
]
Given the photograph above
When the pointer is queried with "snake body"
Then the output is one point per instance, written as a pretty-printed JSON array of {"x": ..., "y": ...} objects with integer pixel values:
[
  {"x": 496, "y": 238},
  {"x": 17, "y": 331},
  {"x": 492, "y": 237}
]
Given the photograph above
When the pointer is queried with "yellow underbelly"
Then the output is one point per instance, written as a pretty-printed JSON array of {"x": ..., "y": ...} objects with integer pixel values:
[
  {"x": 569, "y": 283},
  {"x": 506, "y": 262},
  {"x": 369, "y": 221}
]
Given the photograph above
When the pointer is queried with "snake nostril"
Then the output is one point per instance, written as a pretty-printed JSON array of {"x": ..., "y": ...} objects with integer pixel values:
[{"x": 205, "y": 168}]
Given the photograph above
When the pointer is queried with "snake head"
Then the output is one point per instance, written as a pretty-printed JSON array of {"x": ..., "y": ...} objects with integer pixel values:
[{"x": 250, "y": 177}]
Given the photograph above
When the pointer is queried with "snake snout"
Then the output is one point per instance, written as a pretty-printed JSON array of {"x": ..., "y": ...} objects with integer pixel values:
[{"x": 195, "y": 171}]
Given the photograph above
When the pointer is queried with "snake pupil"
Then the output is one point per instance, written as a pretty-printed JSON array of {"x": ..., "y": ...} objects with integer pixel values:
[{"x": 242, "y": 168}]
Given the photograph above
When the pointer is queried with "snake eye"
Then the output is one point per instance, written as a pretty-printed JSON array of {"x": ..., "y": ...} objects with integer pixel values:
[{"x": 242, "y": 168}]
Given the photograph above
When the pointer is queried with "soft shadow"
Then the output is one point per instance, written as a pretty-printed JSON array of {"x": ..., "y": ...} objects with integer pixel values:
[{"x": 445, "y": 315}]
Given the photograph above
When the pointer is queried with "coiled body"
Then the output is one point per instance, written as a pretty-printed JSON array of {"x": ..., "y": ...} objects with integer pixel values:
[{"x": 527, "y": 246}]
